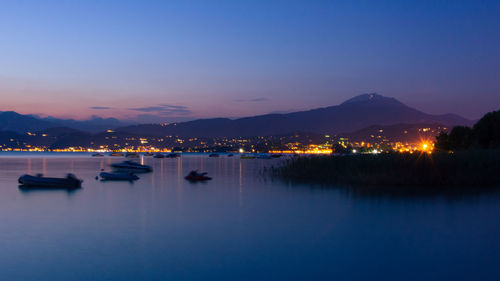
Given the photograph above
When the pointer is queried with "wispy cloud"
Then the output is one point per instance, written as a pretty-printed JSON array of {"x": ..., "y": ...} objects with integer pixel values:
[
  {"x": 153, "y": 118},
  {"x": 99, "y": 107},
  {"x": 164, "y": 109},
  {"x": 253, "y": 100}
]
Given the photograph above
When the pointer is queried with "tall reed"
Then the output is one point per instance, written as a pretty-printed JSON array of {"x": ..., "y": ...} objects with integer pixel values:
[{"x": 467, "y": 168}]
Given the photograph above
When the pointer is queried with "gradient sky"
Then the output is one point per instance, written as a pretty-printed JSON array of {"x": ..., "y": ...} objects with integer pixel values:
[{"x": 188, "y": 59}]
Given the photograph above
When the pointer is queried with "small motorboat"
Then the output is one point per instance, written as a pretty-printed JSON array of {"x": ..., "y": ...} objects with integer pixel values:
[
  {"x": 159, "y": 155},
  {"x": 117, "y": 154},
  {"x": 70, "y": 181},
  {"x": 118, "y": 176},
  {"x": 97, "y": 155},
  {"x": 148, "y": 154},
  {"x": 230, "y": 155},
  {"x": 173, "y": 155},
  {"x": 130, "y": 166},
  {"x": 213, "y": 155},
  {"x": 195, "y": 176},
  {"x": 132, "y": 155}
]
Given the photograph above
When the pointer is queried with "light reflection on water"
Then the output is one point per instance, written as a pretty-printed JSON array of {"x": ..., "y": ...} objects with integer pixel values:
[{"x": 241, "y": 225}]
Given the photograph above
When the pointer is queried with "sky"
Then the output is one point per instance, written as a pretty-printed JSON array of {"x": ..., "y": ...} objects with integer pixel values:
[{"x": 178, "y": 60}]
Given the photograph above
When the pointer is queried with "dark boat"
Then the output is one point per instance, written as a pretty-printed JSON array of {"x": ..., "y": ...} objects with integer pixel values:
[
  {"x": 70, "y": 181},
  {"x": 230, "y": 155},
  {"x": 159, "y": 155},
  {"x": 130, "y": 166},
  {"x": 195, "y": 176},
  {"x": 132, "y": 155},
  {"x": 213, "y": 155},
  {"x": 173, "y": 155}
]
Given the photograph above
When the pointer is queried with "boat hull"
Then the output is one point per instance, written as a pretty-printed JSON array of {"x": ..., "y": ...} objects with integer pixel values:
[
  {"x": 197, "y": 178},
  {"x": 130, "y": 167},
  {"x": 28, "y": 181}
]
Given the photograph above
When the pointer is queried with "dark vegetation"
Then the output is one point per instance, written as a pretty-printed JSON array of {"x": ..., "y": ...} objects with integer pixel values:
[
  {"x": 464, "y": 157},
  {"x": 464, "y": 168},
  {"x": 484, "y": 134}
]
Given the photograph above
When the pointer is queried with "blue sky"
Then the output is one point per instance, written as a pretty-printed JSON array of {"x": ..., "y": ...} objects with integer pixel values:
[{"x": 175, "y": 60}]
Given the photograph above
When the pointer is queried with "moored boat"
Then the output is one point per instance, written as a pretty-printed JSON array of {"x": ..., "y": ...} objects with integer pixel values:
[
  {"x": 118, "y": 176},
  {"x": 213, "y": 155},
  {"x": 195, "y": 176},
  {"x": 159, "y": 155},
  {"x": 117, "y": 154},
  {"x": 173, "y": 155},
  {"x": 130, "y": 166},
  {"x": 132, "y": 155},
  {"x": 70, "y": 181},
  {"x": 97, "y": 155}
]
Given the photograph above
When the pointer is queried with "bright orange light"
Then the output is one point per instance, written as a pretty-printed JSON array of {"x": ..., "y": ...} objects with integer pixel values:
[{"x": 426, "y": 146}]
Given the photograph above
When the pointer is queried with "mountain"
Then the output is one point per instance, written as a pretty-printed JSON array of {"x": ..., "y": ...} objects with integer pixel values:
[
  {"x": 15, "y": 122},
  {"x": 19, "y": 123},
  {"x": 93, "y": 125},
  {"x": 354, "y": 114}
]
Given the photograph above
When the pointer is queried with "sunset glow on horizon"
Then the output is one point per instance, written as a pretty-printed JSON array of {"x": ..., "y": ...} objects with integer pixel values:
[{"x": 174, "y": 61}]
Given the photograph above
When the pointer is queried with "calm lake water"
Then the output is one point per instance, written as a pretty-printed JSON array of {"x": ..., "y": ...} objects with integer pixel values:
[{"x": 241, "y": 225}]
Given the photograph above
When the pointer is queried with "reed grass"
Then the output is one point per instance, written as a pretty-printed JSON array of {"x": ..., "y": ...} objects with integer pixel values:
[{"x": 467, "y": 168}]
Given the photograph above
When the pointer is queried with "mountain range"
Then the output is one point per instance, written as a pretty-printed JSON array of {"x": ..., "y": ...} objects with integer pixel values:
[
  {"x": 352, "y": 115},
  {"x": 15, "y": 122}
]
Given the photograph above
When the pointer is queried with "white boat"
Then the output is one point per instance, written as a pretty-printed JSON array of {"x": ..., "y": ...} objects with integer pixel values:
[
  {"x": 70, "y": 181},
  {"x": 118, "y": 176},
  {"x": 129, "y": 166}
]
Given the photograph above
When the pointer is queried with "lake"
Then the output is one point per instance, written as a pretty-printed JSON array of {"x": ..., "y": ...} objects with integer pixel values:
[{"x": 242, "y": 225}]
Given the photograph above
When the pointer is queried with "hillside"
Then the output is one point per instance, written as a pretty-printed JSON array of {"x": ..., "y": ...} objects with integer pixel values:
[{"x": 354, "y": 114}]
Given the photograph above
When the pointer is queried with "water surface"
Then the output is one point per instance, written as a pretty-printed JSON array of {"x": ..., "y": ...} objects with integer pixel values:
[{"x": 240, "y": 226}]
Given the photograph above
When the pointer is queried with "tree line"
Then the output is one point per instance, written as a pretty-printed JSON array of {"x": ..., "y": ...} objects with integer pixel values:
[{"x": 484, "y": 134}]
